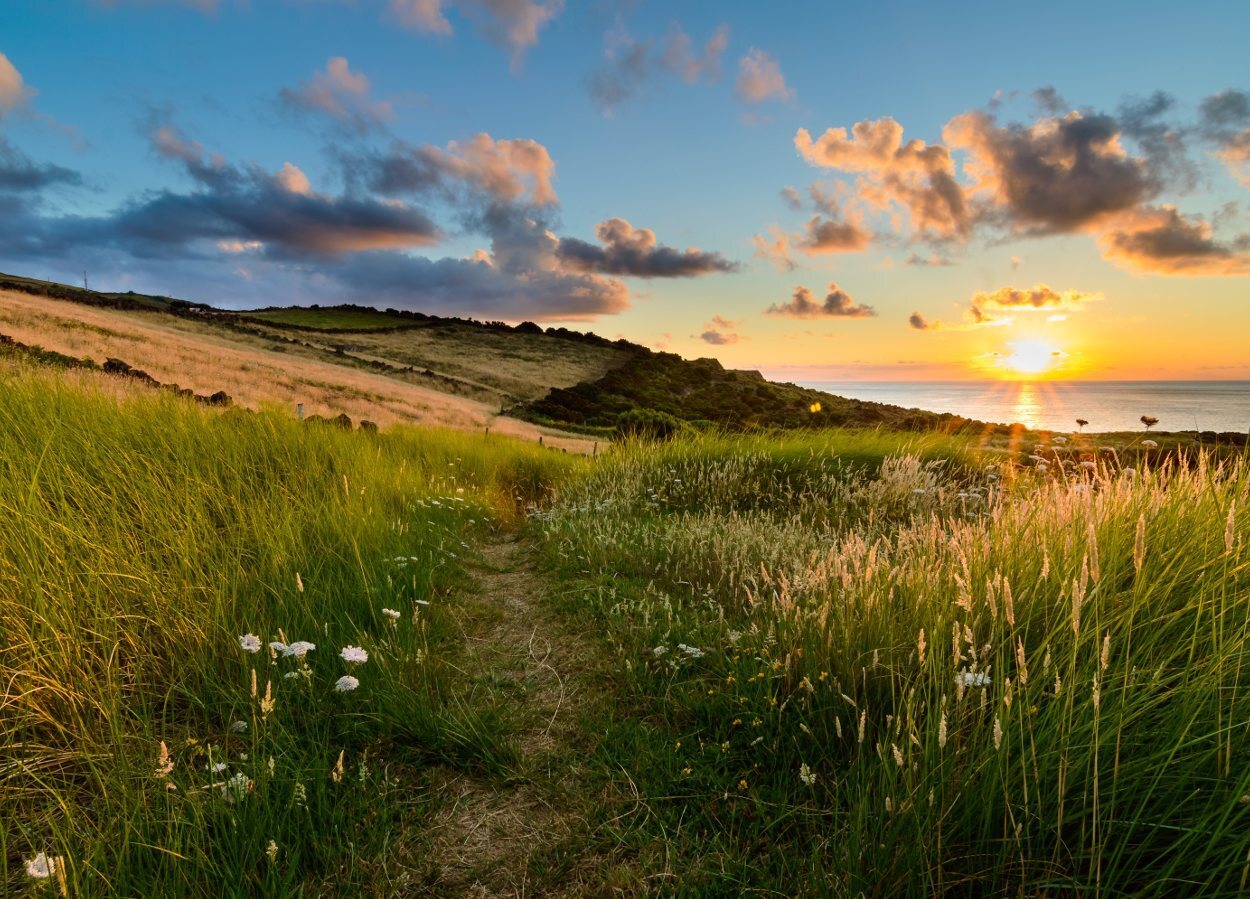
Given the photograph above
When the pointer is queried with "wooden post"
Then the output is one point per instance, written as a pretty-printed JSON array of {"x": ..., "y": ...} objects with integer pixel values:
[
  {"x": 299, "y": 411},
  {"x": 540, "y": 439},
  {"x": 595, "y": 452}
]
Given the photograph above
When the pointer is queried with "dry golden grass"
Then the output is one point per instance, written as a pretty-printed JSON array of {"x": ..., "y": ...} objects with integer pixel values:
[
  {"x": 207, "y": 359},
  {"x": 512, "y": 365}
]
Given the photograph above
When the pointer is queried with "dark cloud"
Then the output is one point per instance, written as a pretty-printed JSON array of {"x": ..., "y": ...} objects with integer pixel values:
[
  {"x": 1162, "y": 142},
  {"x": 933, "y": 261},
  {"x": 920, "y": 323},
  {"x": 837, "y": 304},
  {"x": 792, "y": 198},
  {"x": 1164, "y": 241},
  {"x": 720, "y": 332},
  {"x": 1224, "y": 120},
  {"x": 627, "y": 250},
  {"x": 507, "y": 171},
  {"x": 18, "y": 172},
  {"x": 1049, "y": 102},
  {"x": 1056, "y": 176}
]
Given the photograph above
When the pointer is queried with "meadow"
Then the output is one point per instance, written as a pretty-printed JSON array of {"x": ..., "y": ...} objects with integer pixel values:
[{"x": 238, "y": 649}]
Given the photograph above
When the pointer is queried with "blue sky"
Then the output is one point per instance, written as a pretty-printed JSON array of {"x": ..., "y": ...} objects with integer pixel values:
[{"x": 693, "y": 162}]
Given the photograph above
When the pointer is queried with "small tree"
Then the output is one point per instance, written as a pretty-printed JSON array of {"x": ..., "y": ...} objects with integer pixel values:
[
  {"x": 1149, "y": 421},
  {"x": 1081, "y": 423}
]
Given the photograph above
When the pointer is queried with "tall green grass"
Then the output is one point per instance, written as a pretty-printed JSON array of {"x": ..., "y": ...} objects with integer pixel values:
[
  {"x": 851, "y": 664},
  {"x": 140, "y": 537}
]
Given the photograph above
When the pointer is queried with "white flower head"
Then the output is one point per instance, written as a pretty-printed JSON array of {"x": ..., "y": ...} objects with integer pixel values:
[
  {"x": 346, "y": 684},
  {"x": 1059, "y": 440},
  {"x": 250, "y": 643},
  {"x": 236, "y": 787},
  {"x": 1089, "y": 465},
  {"x": 1129, "y": 472},
  {"x": 807, "y": 775},
  {"x": 354, "y": 655},
  {"x": 973, "y": 679},
  {"x": 43, "y": 866},
  {"x": 238, "y": 727},
  {"x": 391, "y": 614},
  {"x": 692, "y": 652},
  {"x": 659, "y": 650},
  {"x": 1149, "y": 444},
  {"x": 299, "y": 649}
]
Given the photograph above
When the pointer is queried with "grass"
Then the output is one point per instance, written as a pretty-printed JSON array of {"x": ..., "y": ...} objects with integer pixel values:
[
  {"x": 330, "y": 319},
  {"x": 826, "y": 663},
  {"x": 140, "y": 538},
  {"x": 857, "y": 664}
]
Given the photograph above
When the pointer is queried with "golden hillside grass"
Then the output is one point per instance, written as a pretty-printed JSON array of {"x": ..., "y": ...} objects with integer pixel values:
[{"x": 253, "y": 371}]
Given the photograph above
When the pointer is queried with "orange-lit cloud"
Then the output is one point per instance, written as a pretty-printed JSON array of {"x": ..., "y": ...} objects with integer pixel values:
[
  {"x": 1160, "y": 240},
  {"x": 760, "y": 79},
  {"x": 342, "y": 95},
  {"x": 13, "y": 90}
]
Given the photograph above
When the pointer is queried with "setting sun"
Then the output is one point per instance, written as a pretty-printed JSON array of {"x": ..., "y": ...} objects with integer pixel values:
[{"x": 1032, "y": 356}]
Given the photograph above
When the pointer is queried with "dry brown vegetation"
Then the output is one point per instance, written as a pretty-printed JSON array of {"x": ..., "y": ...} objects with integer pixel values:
[{"x": 256, "y": 371}]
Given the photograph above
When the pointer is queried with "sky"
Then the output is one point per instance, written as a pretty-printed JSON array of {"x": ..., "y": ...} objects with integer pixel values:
[{"x": 822, "y": 191}]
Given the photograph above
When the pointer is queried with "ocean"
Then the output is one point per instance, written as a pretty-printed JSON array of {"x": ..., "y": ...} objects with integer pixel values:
[{"x": 1055, "y": 405}]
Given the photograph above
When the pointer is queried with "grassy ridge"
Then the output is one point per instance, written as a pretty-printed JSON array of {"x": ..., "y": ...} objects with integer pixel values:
[
  {"x": 139, "y": 540},
  {"x": 857, "y": 665}
]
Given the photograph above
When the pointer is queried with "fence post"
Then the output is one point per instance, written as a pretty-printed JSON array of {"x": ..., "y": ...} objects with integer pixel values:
[{"x": 299, "y": 411}]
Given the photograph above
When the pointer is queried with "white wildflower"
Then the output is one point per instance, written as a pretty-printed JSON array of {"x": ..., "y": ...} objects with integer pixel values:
[
  {"x": 354, "y": 654},
  {"x": 346, "y": 684},
  {"x": 692, "y": 652},
  {"x": 391, "y": 614},
  {"x": 972, "y": 679},
  {"x": 1149, "y": 444},
  {"x": 43, "y": 866},
  {"x": 250, "y": 643},
  {"x": 1089, "y": 466},
  {"x": 236, "y": 787},
  {"x": 299, "y": 649},
  {"x": 238, "y": 727},
  {"x": 1059, "y": 440},
  {"x": 1128, "y": 472},
  {"x": 806, "y": 775},
  {"x": 216, "y": 767}
]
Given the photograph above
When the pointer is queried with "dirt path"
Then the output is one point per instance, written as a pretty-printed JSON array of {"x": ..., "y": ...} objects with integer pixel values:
[{"x": 525, "y": 836}]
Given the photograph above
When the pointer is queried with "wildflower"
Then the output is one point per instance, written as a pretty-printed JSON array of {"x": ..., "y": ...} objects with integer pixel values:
[
  {"x": 685, "y": 772},
  {"x": 216, "y": 767},
  {"x": 164, "y": 764},
  {"x": 43, "y": 866},
  {"x": 238, "y": 727},
  {"x": 742, "y": 785},
  {"x": 1106, "y": 449},
  {"x": 354, "y": 655},
  {"x": 267, "y": 704},
  {"x": 271, "y": 851},
  {"x": 337, "y": 772},
  {"x": 659, "y": 651},
  {"x": 346, "y": 684},
  {"x": 249, "y": 643},
  {"x": 236, "y": 787},
  {"x": 299, "y": 648},
  {"x": 919, "y": 490},
  {"x": 973, "y": 679},
  {"x": 807, "y": 775},
  {"x": 1128, "y": 472},
  {"x": 692, "y": 652},
  {"x": 300, "y": 794},
  {"x": 1149, "y": 444},
  {"x": 391, "y": 614},
  {"x": 1089, "y": 466}
]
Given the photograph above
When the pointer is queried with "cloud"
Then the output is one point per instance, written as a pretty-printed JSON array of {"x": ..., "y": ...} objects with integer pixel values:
[
  {"x": 988, "y": 308},
  {"x": 680, "y": 59},
  {"x": 1161, "y": 240},
  {"x": 792, "y": 198},
  {"x": 521, "y": 276},
  {"x": 627, "y": 250},
  {"x": 720, "y": 332},
  {"x": 18, "y": 172},
  {"x": 513, "y": 24},
  {"x": 837, "y": 304},
  {"x": 760, "y": 79},
  {"x": 920, "y": 323},
  {"x": 913, "y": 177},
  {"x": 1059, "y": 175},
  {"x": 932, "y": 261},
  {"x": 423, "y": 16},
  {"x": 204, "y": 6},
  {"x": 1224, "y": 119},
  {"x": 628, "y": 63},
  {"x": 827, "y": 235},
  {"x": 14, "y": 92},
  {"x": 504, "y": 170},
  {"x": 342, "y": 95}
]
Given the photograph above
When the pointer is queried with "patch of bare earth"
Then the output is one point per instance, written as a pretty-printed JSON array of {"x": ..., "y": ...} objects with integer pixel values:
[{"x": 530, "y": 834}]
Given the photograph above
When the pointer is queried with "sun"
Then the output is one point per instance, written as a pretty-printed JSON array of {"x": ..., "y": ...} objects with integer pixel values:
[{"x": 1032, "y": 357}]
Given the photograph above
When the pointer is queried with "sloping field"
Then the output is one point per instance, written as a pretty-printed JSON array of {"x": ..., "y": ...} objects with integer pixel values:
[{"x": 254, "y": 371}]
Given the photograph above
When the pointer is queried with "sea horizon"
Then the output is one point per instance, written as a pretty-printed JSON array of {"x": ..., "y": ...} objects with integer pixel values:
[{"x": 1221, "y": 405}]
